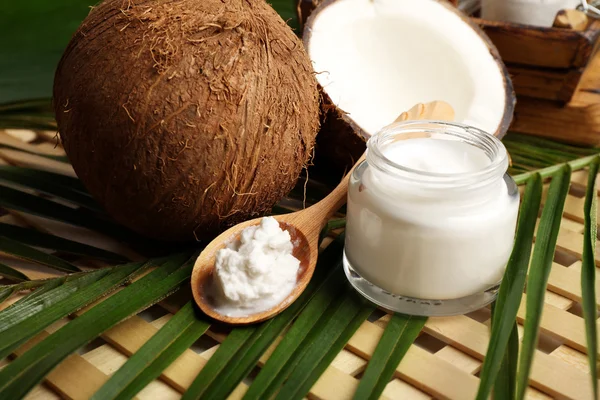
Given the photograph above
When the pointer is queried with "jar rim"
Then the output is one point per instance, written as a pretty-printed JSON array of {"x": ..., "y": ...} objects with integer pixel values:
[{"x": 493, "y": 147}]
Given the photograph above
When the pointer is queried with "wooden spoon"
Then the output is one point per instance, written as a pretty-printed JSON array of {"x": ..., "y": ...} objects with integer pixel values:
[{"x": 303, "y": 226}]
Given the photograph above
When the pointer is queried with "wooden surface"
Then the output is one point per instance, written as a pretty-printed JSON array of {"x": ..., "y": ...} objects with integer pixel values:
[
  {"x": 545, "y": 63},
  {"x": 576, "y": 122},
  {"x": 443, "y": 363},
  {"x": 540, "y": 46}
]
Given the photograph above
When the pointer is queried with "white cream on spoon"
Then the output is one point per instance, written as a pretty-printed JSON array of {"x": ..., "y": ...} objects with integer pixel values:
[{"x": 256, "y": 272}]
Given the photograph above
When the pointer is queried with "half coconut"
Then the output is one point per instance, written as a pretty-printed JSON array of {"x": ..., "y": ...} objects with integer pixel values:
[{"x": 376, "y": 58}]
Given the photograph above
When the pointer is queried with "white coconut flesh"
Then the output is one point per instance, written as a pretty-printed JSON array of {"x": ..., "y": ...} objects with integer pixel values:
[{"x": 377, "y": 58}]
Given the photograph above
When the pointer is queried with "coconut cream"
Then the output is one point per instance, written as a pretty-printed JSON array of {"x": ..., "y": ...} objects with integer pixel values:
[
  {"x": 431, "y": 217},
  {"x": 255, "y": 272}
]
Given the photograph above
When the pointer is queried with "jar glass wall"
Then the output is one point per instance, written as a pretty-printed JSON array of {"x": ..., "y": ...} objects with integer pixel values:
[{"x": 430, "y": 243}]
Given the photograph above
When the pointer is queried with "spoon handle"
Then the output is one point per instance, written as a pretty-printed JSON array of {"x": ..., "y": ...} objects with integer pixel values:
[{"x": 324, "y": 209}]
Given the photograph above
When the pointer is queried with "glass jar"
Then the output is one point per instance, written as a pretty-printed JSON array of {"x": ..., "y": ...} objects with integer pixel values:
[{"x": 430, "y": 243}]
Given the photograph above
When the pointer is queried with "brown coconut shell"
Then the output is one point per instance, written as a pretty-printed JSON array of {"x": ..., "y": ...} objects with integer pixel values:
[
  {"x": 183, "y": 118},
  {"x": 341, "y": 141}
]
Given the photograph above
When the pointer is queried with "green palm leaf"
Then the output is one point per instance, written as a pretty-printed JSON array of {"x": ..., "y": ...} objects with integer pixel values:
[
  {"x": 511, "y": 289},
  {"x": 59, "y": 180},
  {"x": 289, "y": 351},
  {"x": 326, "y": 341},
  {"x": 20, "y": 376},
  {"x": 505, "y": 386},
  {"x": 24, "y": 320},
  {"x": 33, "y": 180},
  {"x": 12, "y": 274},
  {"x": 28, "y": 253},
  {"x": 398, "y": 336},
  {"x": 27, "y": 203},
  {"x": 35, "y": 238},
  {"x": 183, "y": 329},
  {"x": 541, "y": 263},
  {"x": 5, "y": 293},
  {"x": 232, "y": 345},
  {"x": 588, "y": 274}
]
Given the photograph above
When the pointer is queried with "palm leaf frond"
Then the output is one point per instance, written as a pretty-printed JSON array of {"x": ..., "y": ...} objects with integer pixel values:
[
  {"x": 178, "y": 334},
  {"x": 289, "y": 351},
  {"x": 511, "y": 288},
  {"x": 541, "y": 263},
  {"x": 34, "y": 238},
  {"x": 12, "y": 274},
  {"x": 20, "y": 376},
  {"x": 57, "y": 299},
  {"x": 325, "y": 342},
  {"x": 588, "y": 274},
  {"x": 399, "y": 334},
  {"x": 5, "y": 293},
  {"x": 25, "y": 252},
  {"x": 505, "y": 386},
  {"x": 39, "y": 182}
]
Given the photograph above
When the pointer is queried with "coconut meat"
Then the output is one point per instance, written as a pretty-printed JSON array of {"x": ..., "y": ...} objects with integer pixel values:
[{"x": 377, "y": 58}]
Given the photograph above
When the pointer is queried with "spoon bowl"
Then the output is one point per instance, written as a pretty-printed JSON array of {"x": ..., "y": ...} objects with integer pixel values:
[
  {"x": 303, "y": 226},
  {"x": 306, "y": 250}
]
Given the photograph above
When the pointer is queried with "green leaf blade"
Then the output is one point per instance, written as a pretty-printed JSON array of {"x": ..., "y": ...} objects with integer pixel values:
[
  {"x": 319, "y": 309},
  {"x": 505, "y": 386},
  {"x": 5, "y": 293},
  {"x": 511, "y": 288},
  {"x": 268, "y": 332},
  {"x": 178, "y": 334},
  {"x": 20, "y": 376},
  {"x": 13, "y": 199},
  {"x": 539, "y": 271},
  {"x": 28, "y": 253},
  {"x": 23, "y": 322},
  {"x": 12, "y": 274},
  {"x": 588, "y": 273},
  {"x": 32, "y": 179},
  {"x": 35, "y": 238},
  {"x": 326, "y": 342},
  {"x": 398, "y": 336},
  {"x": 228, "y": 350}
]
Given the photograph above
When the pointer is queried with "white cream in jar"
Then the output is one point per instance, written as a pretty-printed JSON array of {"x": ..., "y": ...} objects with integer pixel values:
[{"x": 431, "y": 218}]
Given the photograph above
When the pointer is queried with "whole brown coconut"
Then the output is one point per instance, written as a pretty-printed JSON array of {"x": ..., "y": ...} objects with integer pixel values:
[{"x": 184, "y": 117}]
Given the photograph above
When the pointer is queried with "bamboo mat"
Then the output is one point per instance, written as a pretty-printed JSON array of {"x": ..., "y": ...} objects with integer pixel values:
[{"x": 443, "y": 363}]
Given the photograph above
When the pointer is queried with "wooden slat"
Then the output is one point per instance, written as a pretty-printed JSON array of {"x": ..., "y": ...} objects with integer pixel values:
[
  {"x": 576, "y": 123},
  {"x": 560, "y": 324},
  {"x": 459, "y": 359},
  {"x": 41, "y": 392},
  {"x": 398, "y": 389},
  {"x": 548, "y": 373},
  {"x": 538, "y": 46},
  {"x": 27, "y": 160},
  {"x": 566, "y": 281},
  {"x": 46, "y": 148},
  {"x": 423, "y": 370},
  {"x": 545, "y": 83},
  {"x": 108, "y": 360},
  {"x": 572, "y": 357},
  {"x": 74, "y": 378}
]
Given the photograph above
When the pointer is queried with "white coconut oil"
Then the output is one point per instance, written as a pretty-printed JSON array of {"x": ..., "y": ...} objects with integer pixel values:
[
  {"x": 431, "y": 217},
  {"x": 256, "y": 272}
]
